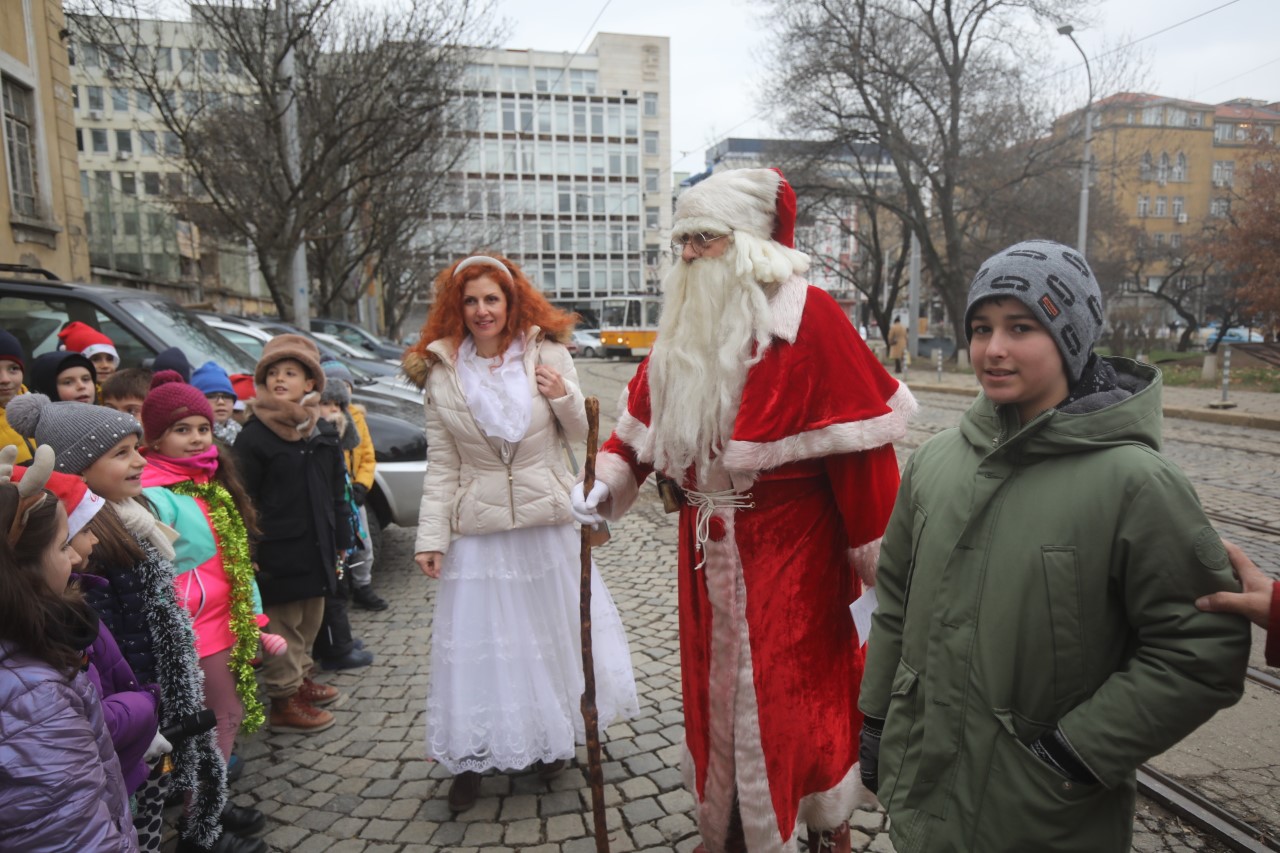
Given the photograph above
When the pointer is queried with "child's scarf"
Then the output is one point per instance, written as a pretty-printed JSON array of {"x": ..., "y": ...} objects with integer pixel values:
[
  {"x": 232, "y": 540},
  {"x": 288, "y": 420}
]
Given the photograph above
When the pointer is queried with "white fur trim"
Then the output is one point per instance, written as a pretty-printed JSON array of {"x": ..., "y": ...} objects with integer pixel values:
[
  {"x": 746, "y": 199},
  {"x": 635, "y": 433},
  {"x": 98, "y": 349},
  {"x": 838, "y": 438},
  {"x": 828, "y": 809},
  {"x": 700, "y": 225},
  {"x": 864, "y": 559},
  {"x": 613, "y": 471},
  {"x": 83, "y": 512},
  {"x": 787, "y": 307}
]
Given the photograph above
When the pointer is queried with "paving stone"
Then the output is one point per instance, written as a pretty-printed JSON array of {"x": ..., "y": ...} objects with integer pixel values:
[
  {"x": 564, "y": 826},
  {"x": 523, "y": 832}
]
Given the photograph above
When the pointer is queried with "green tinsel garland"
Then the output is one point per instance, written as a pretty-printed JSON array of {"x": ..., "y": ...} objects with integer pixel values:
[{"x": 233, "y": 541}]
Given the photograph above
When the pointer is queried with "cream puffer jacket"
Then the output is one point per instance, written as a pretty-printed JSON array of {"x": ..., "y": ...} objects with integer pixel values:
[{"x": 468, "y": 489}]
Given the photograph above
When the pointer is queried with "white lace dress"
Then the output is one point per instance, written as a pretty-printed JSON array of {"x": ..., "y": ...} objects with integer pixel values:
[{"x": 506, "y": 659}]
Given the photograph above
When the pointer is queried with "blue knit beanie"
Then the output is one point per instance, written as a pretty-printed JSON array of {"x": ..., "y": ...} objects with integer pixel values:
[{"x": 210, "y": 378}]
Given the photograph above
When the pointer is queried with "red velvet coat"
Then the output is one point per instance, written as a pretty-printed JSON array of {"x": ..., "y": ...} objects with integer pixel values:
[{"x": 770, "y": 659}]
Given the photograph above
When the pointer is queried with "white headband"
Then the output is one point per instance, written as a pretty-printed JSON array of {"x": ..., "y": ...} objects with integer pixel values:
[{"x": 481, "y": 259}]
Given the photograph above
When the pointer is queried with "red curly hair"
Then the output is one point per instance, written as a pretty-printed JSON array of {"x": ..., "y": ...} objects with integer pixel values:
[{"x": 526, "y": 306}]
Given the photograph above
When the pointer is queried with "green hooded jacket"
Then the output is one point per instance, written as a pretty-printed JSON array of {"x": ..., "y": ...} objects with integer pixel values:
[{"x": 1034, "y": 577}]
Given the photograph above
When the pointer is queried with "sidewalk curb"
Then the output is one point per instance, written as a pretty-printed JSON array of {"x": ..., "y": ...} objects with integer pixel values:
[{"x": 1212, "y": 416}]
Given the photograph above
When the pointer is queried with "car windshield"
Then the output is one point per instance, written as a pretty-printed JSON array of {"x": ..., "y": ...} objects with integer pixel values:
[{"x": 179, "y": 328}]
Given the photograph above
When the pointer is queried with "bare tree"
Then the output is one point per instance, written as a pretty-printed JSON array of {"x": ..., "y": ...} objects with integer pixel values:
[
  {"x": 376, "y": 91},
  {"x": 946, "y": 89}
]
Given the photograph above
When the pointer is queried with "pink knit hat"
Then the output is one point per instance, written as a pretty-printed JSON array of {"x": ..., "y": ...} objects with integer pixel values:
[{"x": 169, "y": 401}]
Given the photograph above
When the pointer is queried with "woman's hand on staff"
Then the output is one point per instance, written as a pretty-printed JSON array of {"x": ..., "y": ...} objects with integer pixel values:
[
  {"x": 550, "y": 383},
  {"x": 429, "y": 562}
]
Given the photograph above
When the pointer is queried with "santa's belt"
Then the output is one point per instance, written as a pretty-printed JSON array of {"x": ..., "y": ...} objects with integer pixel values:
[{"x": 707, "y": 503}]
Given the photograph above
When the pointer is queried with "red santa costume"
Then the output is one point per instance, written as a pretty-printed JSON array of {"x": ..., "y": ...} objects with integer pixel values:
[{"x": 782, "y": 513}]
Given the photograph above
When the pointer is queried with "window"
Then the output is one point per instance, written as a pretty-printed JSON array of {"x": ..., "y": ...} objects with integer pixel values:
[
  {"x": 172, "y": 144},
  {"x": 164, "y": 59},
  {"x": 651, "y": 143},
  {"x": 124, "y": 141},
  {"x": 89, "y": 56},
  {"x": 1152, "y": 115},
  {"x": 651, "y": 217},
  {"x": 186, "y": 58},
  {"x": 75, "y": 97},
  {"x": 1175, "y": 241},
  {"x": 211, "y": 62},
  {"x": 1219, "y": 207},
  {"x": 151, "y": 183},
  {"x": 80, "y": 140},
  {"x": 1224, "y": 173},
  {"x": 1159, "y": 241},
  {"x": 20, "y": 143},
  {"x": 650, "y": 104},
  {"x": 651, "y": 180},
  {"x": 190, "y": 102},
  {"x": 147, "y": 138},
  {"x": 1177, "y": 117},
  {"x": 1144, "y": 205},
  {"x": 128, "y": 183},
  {"x": 1180, "y": 167},
  {"x": 1144, "y": 171},
  {"x": 173, "y": 182},
  {"x": 96, "y": 101},
  {"x": 1178, "y": 206},
  {"x": 143, "y": 100},
  {"x": 1162, "y": 171},
  {"x": 120, "y": 100},
  {"x": 234, "y": 66},
  {"x": 99, "y": 138},
  {"x": 1162, "y": 205}
]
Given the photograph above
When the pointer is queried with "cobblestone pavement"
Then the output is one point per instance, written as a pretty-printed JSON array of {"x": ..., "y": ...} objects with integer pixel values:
[{"x": 364, "y": 786}]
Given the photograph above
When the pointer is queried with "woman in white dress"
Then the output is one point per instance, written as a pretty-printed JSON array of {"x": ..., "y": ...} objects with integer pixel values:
[{"x": 502, "y": 400}]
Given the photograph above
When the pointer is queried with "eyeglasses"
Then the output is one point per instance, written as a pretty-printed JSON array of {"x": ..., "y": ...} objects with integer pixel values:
[{"x": 699, "y": 242}]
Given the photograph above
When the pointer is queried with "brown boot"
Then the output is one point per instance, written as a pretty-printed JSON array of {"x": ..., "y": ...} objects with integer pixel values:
[
  {"x": 292, "y": 714},
  {"x": 316, "y": 694},
  {"x": 831, "y": 840},
  {"x": 464, "y": 791}
]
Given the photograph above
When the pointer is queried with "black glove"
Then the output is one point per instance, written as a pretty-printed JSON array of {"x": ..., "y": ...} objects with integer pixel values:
[
  {"x": 1052, "y": 748},
  {"x": 359, "y": 492},
  {"x": 869, "y": 753}
]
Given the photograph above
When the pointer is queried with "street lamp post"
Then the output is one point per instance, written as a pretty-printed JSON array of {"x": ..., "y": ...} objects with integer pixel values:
[{"x": 1082, "y": 228}]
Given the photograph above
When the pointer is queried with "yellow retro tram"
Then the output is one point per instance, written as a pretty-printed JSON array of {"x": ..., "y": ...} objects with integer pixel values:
[{"x": 629, "y": 324}]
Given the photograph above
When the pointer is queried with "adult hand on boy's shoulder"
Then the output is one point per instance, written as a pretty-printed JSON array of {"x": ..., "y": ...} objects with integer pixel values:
[
  {"x": 1254, "y": 602},
  {"x": 359, "y": 493}
]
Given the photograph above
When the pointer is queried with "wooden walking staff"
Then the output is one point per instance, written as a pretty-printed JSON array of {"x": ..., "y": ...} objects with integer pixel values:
[{"x": 590, "y": 715}]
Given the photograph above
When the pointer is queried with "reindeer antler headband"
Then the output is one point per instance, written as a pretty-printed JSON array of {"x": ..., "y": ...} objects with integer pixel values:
[{"x": 31, "y": 493}]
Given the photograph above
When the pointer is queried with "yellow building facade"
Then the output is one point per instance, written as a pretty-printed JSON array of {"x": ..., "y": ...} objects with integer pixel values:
[
  {"x": 1171, "y": 168},
  {"x": 41, "y": 212}
]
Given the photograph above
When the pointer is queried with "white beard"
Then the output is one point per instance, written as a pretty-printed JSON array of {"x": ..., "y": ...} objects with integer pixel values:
[{"x": 713, "y": 316}]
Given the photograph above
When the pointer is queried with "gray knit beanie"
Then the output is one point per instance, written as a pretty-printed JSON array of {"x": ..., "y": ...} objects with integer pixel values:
[
  {"x": 1055, "y": 282},
  {"x": 79, "y": 433}
]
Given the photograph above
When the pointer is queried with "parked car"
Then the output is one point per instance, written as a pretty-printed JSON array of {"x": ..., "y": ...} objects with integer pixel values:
[
  {"x": 360, "y": 337},
  {"x": 1235, "y": 335},
  {"x": 142, "y": 324},
  {"x": 587, "y": 342},
  {"x": 252, "y": 334}
]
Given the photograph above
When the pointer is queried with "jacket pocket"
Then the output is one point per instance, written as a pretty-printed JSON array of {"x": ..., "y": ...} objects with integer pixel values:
[
  {"x": 1027, "y": 805},
  {"x": 899, "y": 751},
  {"x": 1062, "y": 582}
]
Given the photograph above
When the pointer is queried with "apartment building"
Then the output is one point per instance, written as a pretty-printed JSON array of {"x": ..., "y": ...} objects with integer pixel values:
[
  {"x": 1171, "y": 166},
  {"x": 567, "y": 167},
  {"x": 41, "y": 214},
  {"x": 131, "y": 170}
]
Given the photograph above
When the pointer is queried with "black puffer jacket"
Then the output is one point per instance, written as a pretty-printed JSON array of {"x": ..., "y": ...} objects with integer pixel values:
[{"x": 298, "y": 489}]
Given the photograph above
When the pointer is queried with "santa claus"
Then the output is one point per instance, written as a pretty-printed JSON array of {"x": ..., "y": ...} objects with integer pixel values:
[{"x": 767, "y": 409}]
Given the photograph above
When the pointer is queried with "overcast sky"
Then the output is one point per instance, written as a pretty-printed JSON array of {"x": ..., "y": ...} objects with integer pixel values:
[{"x": 718, "y": 49}]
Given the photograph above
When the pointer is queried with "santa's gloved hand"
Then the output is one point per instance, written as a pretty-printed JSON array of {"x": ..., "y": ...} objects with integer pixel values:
[
  {"x": 869, "y": 753},
  {"x": 584, "y": 507},
  {"x": 159, "y": 746}
]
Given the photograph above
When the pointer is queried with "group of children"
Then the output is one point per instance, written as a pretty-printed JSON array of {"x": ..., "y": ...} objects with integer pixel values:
[{"x": 204, "y": 551}]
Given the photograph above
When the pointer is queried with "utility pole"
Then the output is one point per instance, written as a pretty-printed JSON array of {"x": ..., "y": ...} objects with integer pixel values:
[
  {"x": 1082, "y": 227},
  {"x": 299, "y": 283}
]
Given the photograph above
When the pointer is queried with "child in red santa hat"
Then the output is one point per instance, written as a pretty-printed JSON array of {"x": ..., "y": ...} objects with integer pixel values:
[{"x": 93, "y": 345}]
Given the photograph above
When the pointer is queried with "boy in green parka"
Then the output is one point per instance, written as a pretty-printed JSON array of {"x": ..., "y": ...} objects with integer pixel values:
[{"x": 1037, "y": 639}]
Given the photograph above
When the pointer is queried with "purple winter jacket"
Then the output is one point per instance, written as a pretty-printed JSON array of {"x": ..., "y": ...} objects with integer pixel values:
[
  {"x": 129, "y": 708},
  {"x": 60, "y": 782}
]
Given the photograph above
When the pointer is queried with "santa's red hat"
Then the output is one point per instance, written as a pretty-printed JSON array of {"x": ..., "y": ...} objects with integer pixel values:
[
  {"x": 758, "y": 202},
  {"x": 77, "y": 499},
  {"x": 756, "y": 206},
  {"x": 86, "y": 340}
]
